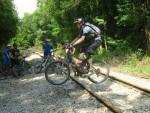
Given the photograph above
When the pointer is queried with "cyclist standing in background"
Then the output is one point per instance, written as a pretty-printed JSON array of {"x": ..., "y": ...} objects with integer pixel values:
[{"x": 47, "y": 48}]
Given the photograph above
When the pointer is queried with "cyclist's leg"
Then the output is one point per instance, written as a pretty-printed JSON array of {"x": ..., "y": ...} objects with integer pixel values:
[{"x": 90, "y": 50}]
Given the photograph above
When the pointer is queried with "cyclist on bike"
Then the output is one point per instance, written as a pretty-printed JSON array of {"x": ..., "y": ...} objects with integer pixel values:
[
  {"x": 47, "y": 48},
  {"x": 89, "y": 37}
]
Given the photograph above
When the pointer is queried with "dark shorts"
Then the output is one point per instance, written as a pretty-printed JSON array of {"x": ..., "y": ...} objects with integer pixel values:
[{"x": 90, "y": 49}]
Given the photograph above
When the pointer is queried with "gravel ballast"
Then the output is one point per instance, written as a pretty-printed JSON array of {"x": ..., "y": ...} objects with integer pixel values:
[
  {"x": 121, "y": 96},
  {"x": 33, "y": 94}
]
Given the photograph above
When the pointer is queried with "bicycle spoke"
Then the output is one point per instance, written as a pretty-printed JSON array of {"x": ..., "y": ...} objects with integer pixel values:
[{"x": 99, "y": 72}]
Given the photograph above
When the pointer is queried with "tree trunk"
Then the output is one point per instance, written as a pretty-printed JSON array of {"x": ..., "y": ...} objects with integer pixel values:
[{"x": 147, "y": 32}]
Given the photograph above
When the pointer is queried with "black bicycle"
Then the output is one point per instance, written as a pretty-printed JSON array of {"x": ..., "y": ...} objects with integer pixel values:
[
  {"x": 41, "y": 65},
  {"x": 58, "y": 72},
  {"x": 21, "y": 68}
]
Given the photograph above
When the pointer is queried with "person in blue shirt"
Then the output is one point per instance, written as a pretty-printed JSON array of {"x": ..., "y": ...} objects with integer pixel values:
[
  {"x": 6, "y": 55},
  {"x": 47, "y": 48}
]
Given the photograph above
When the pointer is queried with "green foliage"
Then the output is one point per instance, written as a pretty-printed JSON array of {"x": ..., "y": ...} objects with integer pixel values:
[
  {"x": 100, "y": 21},
  {"x": 54, "y": 19},
  {"x": 131, "y": 20},
  {"x": 8, "y": 21},
  {"x": 119, "y": 47},
  {"x": 136, "y": 66}
]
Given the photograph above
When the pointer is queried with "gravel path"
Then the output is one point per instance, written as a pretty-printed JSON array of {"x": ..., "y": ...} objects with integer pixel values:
[
  {"x": 120, "y": 95},
  {"x": 33, "y": 94}
]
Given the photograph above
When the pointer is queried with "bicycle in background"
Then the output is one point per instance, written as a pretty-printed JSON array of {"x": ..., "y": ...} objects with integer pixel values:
[
  {"x": 21, "y": 68},
  {"x": 41, "y": 65}
]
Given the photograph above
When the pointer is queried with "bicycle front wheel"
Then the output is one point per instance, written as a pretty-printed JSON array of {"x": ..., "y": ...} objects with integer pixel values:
[
  {"x": 99, "y": 72},
  {"x": 57, "y": 73}
]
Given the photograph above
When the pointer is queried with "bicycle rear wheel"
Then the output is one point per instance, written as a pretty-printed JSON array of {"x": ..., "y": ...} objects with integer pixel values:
[
  {"x": 57, "y": 73},
  {"x": 99, "y": 72},
  {"x": 37, "y": 67}
]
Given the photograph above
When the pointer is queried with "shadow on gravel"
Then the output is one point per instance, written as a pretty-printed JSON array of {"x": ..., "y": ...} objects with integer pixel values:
[{"x": 33, "y": 94}]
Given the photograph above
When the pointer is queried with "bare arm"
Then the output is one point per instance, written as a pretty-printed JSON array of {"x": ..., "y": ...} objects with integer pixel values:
[
  {"x": 80, "y": 40},
  {"x": 74, "y": 40}
]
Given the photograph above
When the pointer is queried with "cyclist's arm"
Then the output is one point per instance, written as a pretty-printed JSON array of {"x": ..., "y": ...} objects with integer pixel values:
[
  {"x": 74, "y": 40},
  {"x": 52, "y": 51},
  {"x": 80, "y": 40}
]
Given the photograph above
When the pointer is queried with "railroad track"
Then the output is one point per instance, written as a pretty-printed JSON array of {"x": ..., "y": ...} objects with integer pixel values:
[{"x": 118, "y": 95}]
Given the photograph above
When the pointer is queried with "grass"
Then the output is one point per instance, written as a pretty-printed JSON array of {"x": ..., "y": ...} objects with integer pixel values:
[
  {"x": 139, "y": 67},
  {"x": 134, "y": 64}
]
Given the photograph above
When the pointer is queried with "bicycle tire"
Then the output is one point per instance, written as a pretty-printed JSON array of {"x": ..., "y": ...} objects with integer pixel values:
[
  {"x": 37, "y": 67},
  {"x": 99, "y": 72},
  {"x": 54, "y": 70}
]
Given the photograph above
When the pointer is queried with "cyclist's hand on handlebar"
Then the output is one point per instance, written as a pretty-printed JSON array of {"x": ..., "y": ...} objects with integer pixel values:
[{"x": 69, "y": 46}]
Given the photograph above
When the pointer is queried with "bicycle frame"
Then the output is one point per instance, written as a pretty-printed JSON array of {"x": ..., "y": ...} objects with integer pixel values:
[
  {"x": 73, "y": 61},
  {"x": 45, "y": 61}
]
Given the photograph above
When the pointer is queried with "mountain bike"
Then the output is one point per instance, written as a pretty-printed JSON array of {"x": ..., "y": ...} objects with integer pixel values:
[
  {"x": 41, "y": 65},
  {"x": 58, "y": 72},
  {"x": 21, "y": 67}
]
